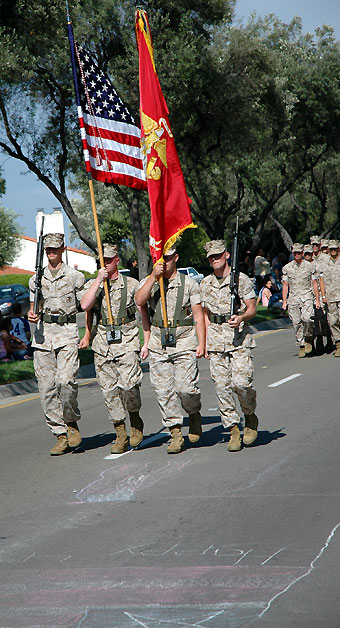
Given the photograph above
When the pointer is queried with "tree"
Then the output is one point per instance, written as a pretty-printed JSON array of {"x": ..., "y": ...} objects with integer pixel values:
[
  {"x": 39, "y": 125},
  {"x": 9, "y": 241},
  {"x": 254, "y": 110}
]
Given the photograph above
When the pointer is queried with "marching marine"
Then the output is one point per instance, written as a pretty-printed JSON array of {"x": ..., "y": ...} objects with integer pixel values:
[
  {"x": 330, "y": 291},
  {"x": 315, "y": 242},
  {"x": 321, "y": 320},
  {"x": 117, "y": 350},
  {"x": 319, "y": 315},
  {"x": 55, "y": 343},
  {"x": 299, "y": 277},
  {"x": 229, "y": 343},
  {"x": 174, "y": 349}
]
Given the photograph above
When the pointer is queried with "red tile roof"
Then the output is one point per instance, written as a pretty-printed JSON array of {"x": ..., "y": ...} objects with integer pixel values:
[{"x": 12, "y": 270}]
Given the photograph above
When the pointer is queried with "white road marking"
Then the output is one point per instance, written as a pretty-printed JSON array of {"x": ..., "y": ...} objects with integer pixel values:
[
  {"x": 312, "y": 566},
  {"x": 283, "y": 381},
  {"x": 212, "y": 409},
  {"x": 144, "y": 443}
]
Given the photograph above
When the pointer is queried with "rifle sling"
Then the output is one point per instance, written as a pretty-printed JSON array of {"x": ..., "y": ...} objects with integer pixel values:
[
  {"x": 125, "y": 315},
  {"x": 180, "y": 318}
]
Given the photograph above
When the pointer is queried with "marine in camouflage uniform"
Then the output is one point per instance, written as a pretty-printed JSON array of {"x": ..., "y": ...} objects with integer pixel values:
[
  {"x": 229, "y": 344},
  {"x": 321, "y": 260},
  {"x": 315, "y": 242},
  {"x": 299, "y": 277},
  {"x": 117, "y": 349},
  {"x": 330, "y": 291},
  {"x": 319, "y": 314},
  {"x": 173, "y": 362},
  {"x": 55, "y": 343}
]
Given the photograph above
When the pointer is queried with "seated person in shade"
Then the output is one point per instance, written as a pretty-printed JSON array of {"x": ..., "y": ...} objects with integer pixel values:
[
  {"x": 21, "y": 327},
  {"x": 265, "y": 293},
  {"x": 3, "y": 351},
  {"x": 15, "y": 348}
]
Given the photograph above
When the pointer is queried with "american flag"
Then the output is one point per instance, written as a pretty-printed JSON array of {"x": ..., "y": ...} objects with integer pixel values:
[{"x": 111, "y": 139}]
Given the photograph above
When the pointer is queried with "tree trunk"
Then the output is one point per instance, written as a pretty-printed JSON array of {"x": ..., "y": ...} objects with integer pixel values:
[{"x": 137, "y": 231}]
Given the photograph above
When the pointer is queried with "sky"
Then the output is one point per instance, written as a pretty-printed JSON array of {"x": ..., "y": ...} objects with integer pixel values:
[{"x": 25, "y": 194}]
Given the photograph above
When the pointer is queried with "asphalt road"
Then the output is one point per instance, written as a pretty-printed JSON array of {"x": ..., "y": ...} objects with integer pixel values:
[{"x": 204, "y": 539}]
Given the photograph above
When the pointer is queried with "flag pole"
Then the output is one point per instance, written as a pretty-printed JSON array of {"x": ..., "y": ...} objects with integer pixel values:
[
  {"x": 100, "y": 251},
  {"x": 93, "y": 202},
  {"x": 163, "y": 302}
]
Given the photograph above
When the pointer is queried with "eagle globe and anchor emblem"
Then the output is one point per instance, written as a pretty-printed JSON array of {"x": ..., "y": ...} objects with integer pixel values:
[{"x": 153, "y": 138}]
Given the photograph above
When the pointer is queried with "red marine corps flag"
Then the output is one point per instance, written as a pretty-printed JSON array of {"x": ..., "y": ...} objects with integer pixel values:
[{"x": 169, "y": 202}]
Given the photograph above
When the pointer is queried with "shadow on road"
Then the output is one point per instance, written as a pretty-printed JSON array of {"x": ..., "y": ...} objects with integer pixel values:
[
  {"x": 265, "y": 437},
  {"x": 94, "y": 442}
]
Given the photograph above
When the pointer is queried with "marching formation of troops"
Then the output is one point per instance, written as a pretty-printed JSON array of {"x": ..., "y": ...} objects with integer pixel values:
[
  {"x": 199, "y": 325},
  {"x": 312, "y": 280}
]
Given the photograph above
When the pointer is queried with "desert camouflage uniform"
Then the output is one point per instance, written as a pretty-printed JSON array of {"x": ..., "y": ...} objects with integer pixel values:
[
  {"x": 231, "y": 361},
  {"x": 118, "y": 369},
  {"x": 56, "y": 347},
  {"x": 174, "y": 370},
  {"x": 300, "y": 298},
  {"x": 331, "y": 276}
]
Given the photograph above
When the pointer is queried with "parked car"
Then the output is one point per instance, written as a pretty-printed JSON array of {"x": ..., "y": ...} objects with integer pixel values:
[
  {"x": 192, "y": 272},
  {"x": 13, "y": 293}
]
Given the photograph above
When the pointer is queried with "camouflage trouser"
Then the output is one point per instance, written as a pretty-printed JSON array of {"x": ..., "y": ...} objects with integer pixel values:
[
  {"x": 232, "y": 373},
  {"x": 175, "y": 379},
  {"x": 56, "y": 373},
  {"x": 302, "y": 317},
  {"x": 119, "y": 379},
  {"x": 333, "y": 316}
]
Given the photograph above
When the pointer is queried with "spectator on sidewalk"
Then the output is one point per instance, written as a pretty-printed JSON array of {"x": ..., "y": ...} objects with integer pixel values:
[
  {"x": 21, "y": 327},
  {"x": 261, "y": 269},
  {"x": 265, "y": 294},
  {"x": 15, "y": 348}
]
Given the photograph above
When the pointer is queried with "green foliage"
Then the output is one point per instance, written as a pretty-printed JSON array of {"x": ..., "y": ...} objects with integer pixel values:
[
  {"x": 190, "y": 249},
  {"x": 11, "y": 279},
  {"x": 9, "y": 242},
  {"x": 255, "y": 111},
  {"x": 16, "y": 371}
]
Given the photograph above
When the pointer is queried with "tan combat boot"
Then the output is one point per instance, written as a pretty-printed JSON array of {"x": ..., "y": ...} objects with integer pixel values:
[
  {"x": 61, "y": 447},
  {"x": 250, "y": 429},
  {"x": 120, "y": 446},
  {"x": 195, "y": 427},
  {"x": 73, "y": 435},
  {"x": 337, "y": 351},
  {"x": 234, "y": 443},
  {"x": 308, "y": 347},
  {"x": 176, "y": 444},
  {"x": 301, "y": 352},
  {"x": 136, "y": 432}
]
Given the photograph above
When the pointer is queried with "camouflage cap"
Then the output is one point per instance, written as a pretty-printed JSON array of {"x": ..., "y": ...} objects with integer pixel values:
[
  {"x": 215, "y": 247},
  {"x": 53, "y": 240},
  {"x": 297, "y": 247},
  {"x": 324, "y": 243},
  {"x": 315, "y": 239},
  {"x": 170, "y": 251},
  {"x": 308, "y": 249},
  {"x": 333, "y": 244},
  {"x": 110, "y": 250}
]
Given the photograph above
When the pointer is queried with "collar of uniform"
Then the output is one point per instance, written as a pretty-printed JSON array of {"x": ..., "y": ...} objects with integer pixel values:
[
  {"x": 60, "y": 273},
  {"x": 174, "y": 282},
  {"x": 117, "y": 283},
  {"x": 215, "y": 282}
]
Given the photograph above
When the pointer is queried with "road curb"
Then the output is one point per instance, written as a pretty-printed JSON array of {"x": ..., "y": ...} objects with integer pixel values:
[
  {"x": 276, "y": 323},
  {"x": 88, "y": 371}
]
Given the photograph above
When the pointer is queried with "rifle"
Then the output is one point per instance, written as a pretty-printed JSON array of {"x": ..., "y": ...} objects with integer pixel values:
[
  {"x": 234, "y": 273},
  {"x": 38, "y": 268}
]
